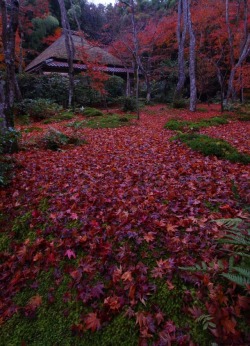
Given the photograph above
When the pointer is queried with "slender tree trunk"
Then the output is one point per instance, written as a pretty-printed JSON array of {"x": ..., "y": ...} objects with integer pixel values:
[
  {"x": 20, "y": 65},
  {"x": 181, "y": 38},
  {"x": 136, "y": 56},
  {"x": 10, "y": 12},
  {"x": 241, "y": 87},
  {"x": 18, "y": 94},
  {"x": 244, "y": 54},
  {"x": 70, "y": 49},
  {"x": 128, "y": 87},
  {"x": 148, "y": 86},
  {"x": 192, "y": 62},
  {"x": 244, "y": 50},
  {"x": 221, "y": 82}
]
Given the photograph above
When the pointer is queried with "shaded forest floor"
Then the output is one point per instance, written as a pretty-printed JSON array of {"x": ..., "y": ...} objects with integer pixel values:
[{"x": 93, "y": 236}]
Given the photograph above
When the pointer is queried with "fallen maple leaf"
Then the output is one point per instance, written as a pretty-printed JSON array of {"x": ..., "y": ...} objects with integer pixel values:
[
  {"x": 113, "y": 302},
  {"x": 35, "y": 302},
  {"x": 69, "y": 253},
  {"x": 127, "y": 276},
  {"x": 149, "y": 237},
  {"x": 92, "y": 321}
]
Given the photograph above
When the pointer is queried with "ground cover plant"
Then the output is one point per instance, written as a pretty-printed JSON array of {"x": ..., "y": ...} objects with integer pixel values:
[
  {"x": 105, "y": 121},
  {"x": 177, "y": 124},
  {"x": 212, "y": 146},
  {"x": 93, "y": 238}
]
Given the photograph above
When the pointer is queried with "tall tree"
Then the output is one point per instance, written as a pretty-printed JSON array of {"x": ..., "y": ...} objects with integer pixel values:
[
  {"x": 69, "y": 47},
  {"x": 192, "y": 61},
  {"x": 9, "y": 12},
  {"x": 243, "y": 48},
  {"x": 181, "y": 38},
  {"x": 136, "y": 57}
]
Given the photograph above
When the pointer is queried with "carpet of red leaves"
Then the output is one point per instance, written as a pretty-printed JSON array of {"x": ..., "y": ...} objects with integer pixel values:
[{"x": 128, "y": 188}]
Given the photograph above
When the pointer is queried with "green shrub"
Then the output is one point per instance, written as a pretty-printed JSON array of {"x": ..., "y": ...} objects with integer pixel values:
[
  {"x": 53, "y": 87},
  {"x": 243, "y": 117},
  {"x": 92, "y": 112},
  {"x": 62, "y": 116},
  {"x": 77, "y": 124},
  {"x": 179, "y": 103},
  {"x": 213, "y": 146},
  {"x": 115, "y": 87},
  {"x": 37, "y": 109},
  {"x": 6, "y": 168},
  {"x": 8, "y": 141},
  {"x": 54, "y": 139},
  {"x": 128, "y": 104},
  {"x": 8, "y": 144}
]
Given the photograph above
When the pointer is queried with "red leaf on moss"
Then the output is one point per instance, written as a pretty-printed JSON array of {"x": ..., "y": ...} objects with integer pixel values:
[{"x": 92, "y": 322}]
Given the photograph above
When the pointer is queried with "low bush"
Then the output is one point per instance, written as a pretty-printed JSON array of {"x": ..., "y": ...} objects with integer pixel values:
[
  {"x": 243, "y": 117},
  {"x": 6, "y": 169},
  {"x": 54, "y": 140},
  {"x": 37, "y": 109},
  {"x": 92, "y": 112},
  {"x": 62, "y": 116},
  {"x": 77, "y": 124},
  {"x": 9, "y": 140},
  {"x": 179, "y": 103},
  {"x": 212, "y": 146},
  {"x": 128, "y": 104},
  {"x": 8, "y": 144}
]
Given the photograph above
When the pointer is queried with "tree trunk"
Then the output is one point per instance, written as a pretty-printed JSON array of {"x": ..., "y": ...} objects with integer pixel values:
[
  {"x": 244, "y": 50},
  {"x": 148, "y": 87},
  {"x": 192, "y": 61},
  {"x": 181, "y": 38},
  {"x": 20, "y": 64},
  {"x": 70, "y": 49},
  {"x": 244, "y": 54},
  {"x": 10, "y": 12},
  {"x": 128, "y": 87},
  {"x": 136, "y": 56}
]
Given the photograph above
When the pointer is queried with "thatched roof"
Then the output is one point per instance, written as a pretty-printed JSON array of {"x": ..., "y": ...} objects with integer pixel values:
[{"x": 58, "y": 51}]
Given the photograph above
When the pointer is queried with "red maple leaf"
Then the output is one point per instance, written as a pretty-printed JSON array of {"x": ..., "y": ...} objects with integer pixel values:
[
  {"x": 92, "y": 321},
  {"x": 69, "y": 253}
]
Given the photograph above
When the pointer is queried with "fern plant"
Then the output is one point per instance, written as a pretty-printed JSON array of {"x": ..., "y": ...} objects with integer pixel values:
[
  {"x": 237, "y": 234},
  {"x": 237, "y": 237},
  {"x": 206, "y": 321}
]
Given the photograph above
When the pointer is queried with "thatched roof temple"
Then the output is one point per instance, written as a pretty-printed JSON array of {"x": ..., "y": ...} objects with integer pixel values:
[{"x": 54, "y": 58}]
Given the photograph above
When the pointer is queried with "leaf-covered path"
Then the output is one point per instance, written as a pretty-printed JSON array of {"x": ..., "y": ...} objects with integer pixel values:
[{"x": 111, "y": 221}]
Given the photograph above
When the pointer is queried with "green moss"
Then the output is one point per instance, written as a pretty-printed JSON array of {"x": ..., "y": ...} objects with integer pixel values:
[
  {"x": 176, "y": 125},
  {"x": 214, "y": 207},
  {"x": 52, "y": 322},
  {"x": 21, "y": 227},
  {"x": 109, "y": 121},
  {"x": 181, "y": 125},
  {"x": 120, "y": 331},
  {"x": 92, "y": 112},
  {"x": 212, "y": 146},
  {"x": 32, "y": 129},
  {"x": 44, "y": 205},
  {"x": 106, "y": 121},
  {"x": 171, "y": 303},
  {"x": 4, "y": 242}
]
